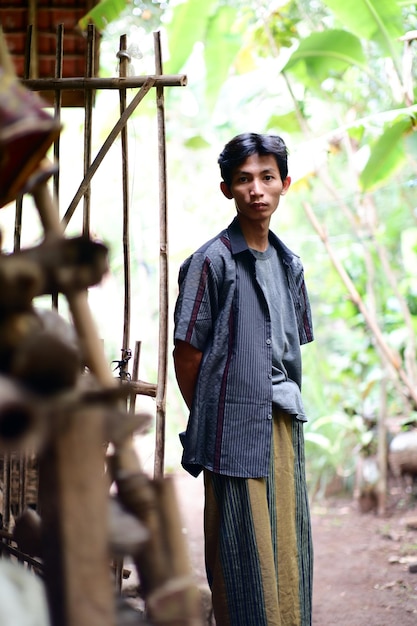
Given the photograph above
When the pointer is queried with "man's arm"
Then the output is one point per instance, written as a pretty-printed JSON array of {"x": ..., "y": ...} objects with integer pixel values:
[{"x": 187, "y": 361}]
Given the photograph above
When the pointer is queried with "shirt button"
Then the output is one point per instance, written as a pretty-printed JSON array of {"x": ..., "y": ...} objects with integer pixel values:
[
  {"x": 269, "y": 416},
  {"x": 268, "y": 341},
  {"x": 270, "y": 376}
]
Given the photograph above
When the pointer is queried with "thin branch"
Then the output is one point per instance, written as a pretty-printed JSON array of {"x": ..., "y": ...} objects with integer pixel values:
[{"x": 392, "y": 356}]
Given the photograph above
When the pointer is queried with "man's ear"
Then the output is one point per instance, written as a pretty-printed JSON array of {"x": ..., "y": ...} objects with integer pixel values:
[
  {"x": 226, "y": 190},
  {"x": 285, "y": 185}
]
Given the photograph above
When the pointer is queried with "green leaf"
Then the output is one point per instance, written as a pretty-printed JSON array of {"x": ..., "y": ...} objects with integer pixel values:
[
  {"x": 196, "y": 142},
  {"x": 320, "y": 440},
  {"x": 326, "y": 52},
  {"x": 288, "y": 122},
  {"x": 411, "y": 143},
  {"x": 187, "y": 26},
  {"x": 375, "y": 20},
  {"x": 356, "y": 132},
  {"x": 103, "y": 13},
  {"x": 221, "y": 47},
  {"x": 387, "y": 155}
]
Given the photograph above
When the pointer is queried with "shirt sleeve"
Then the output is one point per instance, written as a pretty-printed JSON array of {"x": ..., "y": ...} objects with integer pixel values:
[
  {"x": 301, "y": 302},
  {"x": 197, "y": 303}
]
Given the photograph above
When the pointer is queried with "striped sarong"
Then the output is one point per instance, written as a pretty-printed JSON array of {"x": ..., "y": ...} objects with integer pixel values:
[{"x": 258, "y": 545}]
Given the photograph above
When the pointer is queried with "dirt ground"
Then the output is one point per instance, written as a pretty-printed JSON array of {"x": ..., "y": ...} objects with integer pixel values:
[{"x": 362, "y": 561}]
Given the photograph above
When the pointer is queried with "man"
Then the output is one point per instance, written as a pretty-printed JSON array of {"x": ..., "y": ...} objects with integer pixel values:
[{"x": 241, "y": 315}]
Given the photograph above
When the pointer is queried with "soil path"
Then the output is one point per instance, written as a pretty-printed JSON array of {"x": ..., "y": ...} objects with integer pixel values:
[{"x": 362, "y": 562}]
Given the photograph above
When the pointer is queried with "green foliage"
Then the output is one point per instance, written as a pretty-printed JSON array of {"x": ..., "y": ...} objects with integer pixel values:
[
  {"x": 102, "y": 14},
  {"x": 222, "y": 45},
  {"x": 289, "y": 122},
  {"x": 194, "y": 21},
  {"x": 387, "y": 154},
  {"x": 326, "y": 53},
  {"x": 332, "y": 445},
  {"x": 107, "y": 12},
  {"x": 379, "y": 21},
  {"x": 187, "y": 26}
]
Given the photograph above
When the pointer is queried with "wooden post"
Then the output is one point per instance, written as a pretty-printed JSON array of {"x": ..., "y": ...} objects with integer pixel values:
[
  {"x": 73, "y": 499},
  {"x": 59, "y": 60},
  {"x": 88, "y": 126},
  {"x": 163, "y": 273},
  {"x": 123, "y": 63},
  {"x": 19, "y": 200}
]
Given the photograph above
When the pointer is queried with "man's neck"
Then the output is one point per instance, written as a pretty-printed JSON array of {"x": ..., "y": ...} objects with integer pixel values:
[{"x": 255, "y": 234}]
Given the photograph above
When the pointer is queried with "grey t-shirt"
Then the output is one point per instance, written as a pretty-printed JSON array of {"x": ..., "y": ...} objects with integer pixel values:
[{"x": 286, "y": 354}]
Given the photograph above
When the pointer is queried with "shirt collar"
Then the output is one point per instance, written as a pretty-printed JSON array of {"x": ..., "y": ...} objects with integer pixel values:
[{"x": 238, "y": 242}]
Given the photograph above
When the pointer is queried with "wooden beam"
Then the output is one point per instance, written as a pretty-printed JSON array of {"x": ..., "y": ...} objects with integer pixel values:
[{"x": 84, "y": 84}]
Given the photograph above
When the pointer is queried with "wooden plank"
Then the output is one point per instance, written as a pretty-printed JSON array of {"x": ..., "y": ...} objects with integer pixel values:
[{"x": 73, "y": 503}]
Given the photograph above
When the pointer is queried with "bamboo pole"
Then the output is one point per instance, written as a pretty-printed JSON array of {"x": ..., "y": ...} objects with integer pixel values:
[
  {"x": 163, "y": 272},
  {"x": 59, "y": 58},
  {"x": 85, "y": 84},
  {"x": 144, "y": 388},
  {"x": 34, "y": 66},
  {"x": 123, "y": 61},
  {"x": 135, "y": 374},
  {"x": 88, "y": 124},
  {"x": 19, "y": 200},
  {"x": 123, "y": 64}
]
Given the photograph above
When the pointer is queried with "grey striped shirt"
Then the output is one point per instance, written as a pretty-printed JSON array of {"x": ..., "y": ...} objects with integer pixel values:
[{"x": 222, "y": 310}]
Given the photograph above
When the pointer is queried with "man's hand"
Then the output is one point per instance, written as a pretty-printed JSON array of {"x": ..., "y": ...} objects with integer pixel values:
[{"x": 187, "y": 361}]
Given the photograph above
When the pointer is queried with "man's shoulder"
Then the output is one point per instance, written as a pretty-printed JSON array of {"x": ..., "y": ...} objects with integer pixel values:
[
  {"x": 212, "y": 251},
  {"x": 215, "y": 244},
  {"x": 285, "y": 253}
]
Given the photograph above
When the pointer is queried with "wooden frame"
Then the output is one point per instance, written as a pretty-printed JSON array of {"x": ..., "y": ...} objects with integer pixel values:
[{"x": 74, "y": 528}]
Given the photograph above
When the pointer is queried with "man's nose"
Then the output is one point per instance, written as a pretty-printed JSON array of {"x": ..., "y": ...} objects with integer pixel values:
[{"x": 255, "y": 188}]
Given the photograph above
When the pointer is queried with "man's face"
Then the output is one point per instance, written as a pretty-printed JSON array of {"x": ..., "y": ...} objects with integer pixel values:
[{"x": 256, "y": 187}]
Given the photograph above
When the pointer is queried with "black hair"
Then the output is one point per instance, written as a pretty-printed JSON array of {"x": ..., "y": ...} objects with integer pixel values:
[{"x": 238, "y": 149}]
